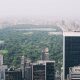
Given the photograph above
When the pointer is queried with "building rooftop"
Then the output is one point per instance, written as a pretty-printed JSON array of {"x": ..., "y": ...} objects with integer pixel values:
[
  {"x": 43, "y": 62},
  {"x": 71, "y": 33}
]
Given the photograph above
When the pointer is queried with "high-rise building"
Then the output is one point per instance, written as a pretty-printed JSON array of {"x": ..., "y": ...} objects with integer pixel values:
[
  {"x": 61, "y": 73},
  {"x": 2, "y": 68},
  {"x": 23, "y": 67},
  {"x": 45, "y": 54},
  {"x": 28, "y": 70},
  {"x": 1, "y": 59},
  {"x": 2, "y": 72},
  {"x": 71, "y": 51},
  {"x": 43, "y": 70}
]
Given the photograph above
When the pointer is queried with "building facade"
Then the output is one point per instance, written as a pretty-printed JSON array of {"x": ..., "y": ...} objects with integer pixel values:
[
  {"x": 45, "y": 54},
  {"x": 28, "y": 70},
  {"x": 71, "y": 51},
  {"x": 2, "y": 68},
  {"x": 2, "y": 72},
  {"x": 74, "y": 73},
  {"x": 43, "y": 70},
  {"x": 13, "y": 75},
  {"x": 1, "y": 59}
]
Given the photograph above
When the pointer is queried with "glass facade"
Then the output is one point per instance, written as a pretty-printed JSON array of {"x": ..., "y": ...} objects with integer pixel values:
[
  {"x": 39, "y": 72},
  {"x": 72, "y": 52},
  {"x": 50, "y": 71},
  {"x": 13, "y": 75}
]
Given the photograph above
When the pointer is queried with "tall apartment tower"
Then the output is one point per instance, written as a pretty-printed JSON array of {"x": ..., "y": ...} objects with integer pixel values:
[
  {"x": 45, "y": 54},
  {"x": 28, "y": 70},
  {"x": 71, "y": 51},
  {"x": 1, "y": 59},
  {"x": 2, "y": 68},
  {"x": 23, "y": 67}
]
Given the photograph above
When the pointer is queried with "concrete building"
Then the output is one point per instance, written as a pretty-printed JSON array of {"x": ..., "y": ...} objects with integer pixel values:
[
  {"x": 2, "y": 72},
  {"x": 40, "y": 70},
  {"x": 43, "y": 70},
  {"x": 23, "y": 67},
  {"x": 61, "y": 73},
  {"x": 71, "y": 51},
  {"x": 45, "y": 54},
  {"x": 1, "y": 59},
  {"x": 2, "y": 68},
  {"x": 28, "y": 70},
  {"x": 74, "y": 73}
]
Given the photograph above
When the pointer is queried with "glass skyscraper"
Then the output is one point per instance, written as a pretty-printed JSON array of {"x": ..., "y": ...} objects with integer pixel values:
[
  {"x": 43, "y": 70},
  {"x": 71, "y": 51}
]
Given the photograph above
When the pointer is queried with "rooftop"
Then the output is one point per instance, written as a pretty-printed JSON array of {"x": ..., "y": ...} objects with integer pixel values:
[{"x": 71, "y": 33}]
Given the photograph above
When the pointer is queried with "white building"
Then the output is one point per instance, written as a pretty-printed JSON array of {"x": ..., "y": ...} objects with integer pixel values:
[
  {"x": 1, "y": 59},
  {"x": 61, "y": 73},
  {"x": 74, "y": 73},
  {"x": 2, "y": 68},
  {"x": 2, "y": 72}
]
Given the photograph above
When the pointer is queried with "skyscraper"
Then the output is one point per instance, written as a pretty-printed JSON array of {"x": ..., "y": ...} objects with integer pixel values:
[
  {"x": 43, "y": 70},
  {"x": 71, "y": 51},
  {"x": 45, "y": 54},
  {"x": 23, "y": 66},
  {"x": 26, "y": 68},
  {"x": 1, "y": 59},
  {"x": 2, "y": 68}
]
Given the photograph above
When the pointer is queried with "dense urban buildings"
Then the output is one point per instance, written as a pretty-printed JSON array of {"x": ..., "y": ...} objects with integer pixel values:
[
  {"x": 71, "y": 51},
  {"x": 43, "y": 69}
]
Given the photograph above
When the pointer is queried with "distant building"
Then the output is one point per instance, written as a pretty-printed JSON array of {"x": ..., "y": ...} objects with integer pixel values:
[
  {"x": 2, "y": 68},
  {"x": 2, "y": 72},
  {"x": 28, "y": 70},
  {"x": 61, "y": 73},
  {"x": 57, "y": 75},
  {"x": 45, "y": 54},
  {"x": 74, "y": 73},
  {"x": 1, "y": 59},
  {"x": 43, "y": 70},
  {"x": 71, "y": 51},
  {"x": 13, "y": 75},
  {"x": 40, "y": 70},
  {"x": 23, "y": 67}
]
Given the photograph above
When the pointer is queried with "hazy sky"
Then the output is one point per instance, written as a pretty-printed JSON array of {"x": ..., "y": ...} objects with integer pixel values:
[{"x": 63, "y": 8}]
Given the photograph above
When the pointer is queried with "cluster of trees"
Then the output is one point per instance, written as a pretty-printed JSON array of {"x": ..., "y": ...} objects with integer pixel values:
[{"x": 30, "y": 44}]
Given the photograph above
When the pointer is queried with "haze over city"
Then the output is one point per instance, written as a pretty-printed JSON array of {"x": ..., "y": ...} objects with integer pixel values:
[{"x": 40, "y": 8}]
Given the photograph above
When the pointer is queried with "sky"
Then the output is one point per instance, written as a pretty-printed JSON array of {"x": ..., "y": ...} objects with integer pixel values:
[{"x": 59, "y": 8}]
